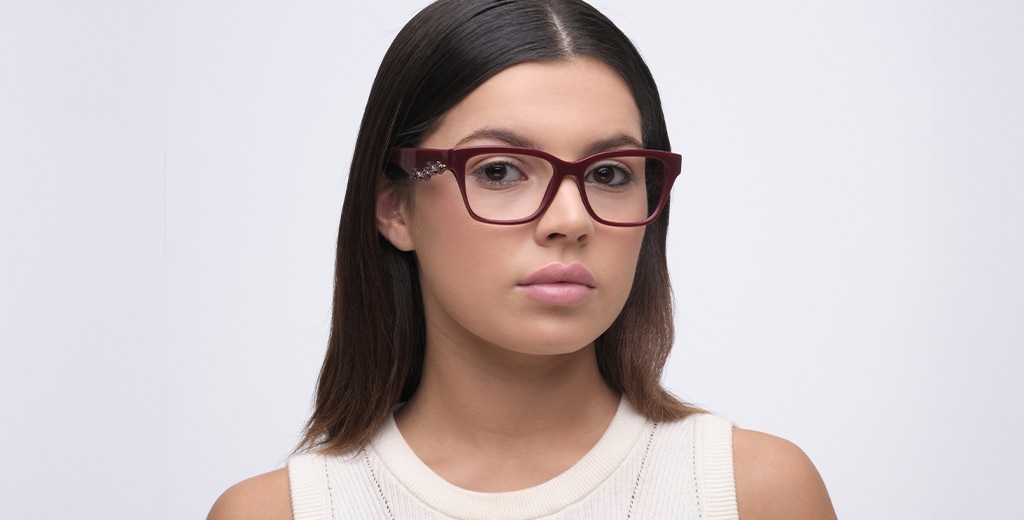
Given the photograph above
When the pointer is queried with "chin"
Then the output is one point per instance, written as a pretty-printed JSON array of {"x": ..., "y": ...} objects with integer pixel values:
[{"x": 553, "y": 346}]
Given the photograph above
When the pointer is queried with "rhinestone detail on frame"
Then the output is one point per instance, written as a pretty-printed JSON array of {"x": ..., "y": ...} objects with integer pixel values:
[{"x": 431, "y": 169}]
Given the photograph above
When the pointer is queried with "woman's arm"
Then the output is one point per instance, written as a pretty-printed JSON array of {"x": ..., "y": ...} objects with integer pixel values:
[
  {"x": 263, "y": 497},
  {"x": 775, "y": 480}
]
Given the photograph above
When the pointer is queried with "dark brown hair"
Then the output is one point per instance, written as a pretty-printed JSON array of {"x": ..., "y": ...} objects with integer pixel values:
[{"x": 375, "y": 353}]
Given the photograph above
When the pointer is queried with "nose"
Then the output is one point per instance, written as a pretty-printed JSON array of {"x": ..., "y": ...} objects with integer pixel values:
[{"x": 566, "y": 219}]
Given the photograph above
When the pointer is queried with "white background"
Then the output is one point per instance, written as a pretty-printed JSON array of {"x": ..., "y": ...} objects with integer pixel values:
[{"x": 846, "y": 240}]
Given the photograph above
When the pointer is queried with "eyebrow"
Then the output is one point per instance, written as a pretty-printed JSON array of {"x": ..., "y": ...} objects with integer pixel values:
[
  {"x": 619, "y": 141},
  {"x": 505, "y": 136},
  {"x": 513, "y": 139}
]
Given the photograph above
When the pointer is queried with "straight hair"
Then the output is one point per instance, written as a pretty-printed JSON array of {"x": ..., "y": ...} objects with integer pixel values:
[{"x": 376, "y": 347}]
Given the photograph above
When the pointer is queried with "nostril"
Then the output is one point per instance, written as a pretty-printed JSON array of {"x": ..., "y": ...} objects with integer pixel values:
[{"x": 582, "y": 237}]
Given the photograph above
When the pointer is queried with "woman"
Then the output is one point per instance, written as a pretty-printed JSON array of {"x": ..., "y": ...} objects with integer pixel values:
[{"x": 502, "y": 311}]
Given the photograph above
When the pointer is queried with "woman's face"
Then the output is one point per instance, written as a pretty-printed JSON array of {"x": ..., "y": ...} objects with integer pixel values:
[{"x": 501, "y": 286}]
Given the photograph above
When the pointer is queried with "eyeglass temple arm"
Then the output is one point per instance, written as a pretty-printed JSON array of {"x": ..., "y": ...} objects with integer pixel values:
[{"x": 421, "y": 163}]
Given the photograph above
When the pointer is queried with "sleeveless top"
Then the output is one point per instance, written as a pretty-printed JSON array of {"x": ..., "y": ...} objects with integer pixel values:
[{"x": 638, "y": 469}]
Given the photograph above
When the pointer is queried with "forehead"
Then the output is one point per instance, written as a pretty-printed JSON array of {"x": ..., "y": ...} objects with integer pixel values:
[{"x": 559, "y": 106}]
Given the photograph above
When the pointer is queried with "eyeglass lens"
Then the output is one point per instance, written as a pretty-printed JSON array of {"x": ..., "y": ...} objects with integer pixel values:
[{"x": 505, "y": 187}]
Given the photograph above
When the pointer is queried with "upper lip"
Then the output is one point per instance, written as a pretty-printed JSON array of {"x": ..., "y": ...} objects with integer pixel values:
[{"x": 561, "y": 273}]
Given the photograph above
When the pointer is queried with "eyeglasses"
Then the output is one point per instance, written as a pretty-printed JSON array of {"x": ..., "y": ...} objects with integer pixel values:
[{"x": 506, "y": 185}]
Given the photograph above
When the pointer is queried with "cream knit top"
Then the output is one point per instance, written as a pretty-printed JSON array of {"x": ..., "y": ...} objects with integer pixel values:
[{"x": 638, "y": 469}]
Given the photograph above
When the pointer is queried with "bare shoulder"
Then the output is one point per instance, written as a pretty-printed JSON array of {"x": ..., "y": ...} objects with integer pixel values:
[
  {"x": 263, "y": 497},
  {"x": 776, "y": 480}
]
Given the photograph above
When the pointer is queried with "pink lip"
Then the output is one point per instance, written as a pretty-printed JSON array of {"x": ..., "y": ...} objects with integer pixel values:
[{"x": 560, "y": 284}]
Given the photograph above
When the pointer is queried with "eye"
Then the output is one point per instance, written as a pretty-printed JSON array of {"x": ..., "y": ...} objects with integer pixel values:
[
  {"x": 609, "y": 175},
  {"x": 498, "y": 172}
]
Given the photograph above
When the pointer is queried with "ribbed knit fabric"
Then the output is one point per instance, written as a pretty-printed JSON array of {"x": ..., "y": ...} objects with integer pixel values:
[{"x": 638, "y": 469}]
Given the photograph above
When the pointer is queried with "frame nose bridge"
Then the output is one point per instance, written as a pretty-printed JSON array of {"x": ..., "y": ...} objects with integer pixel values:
[
  {"x": 567, "y": 180},
  {"x": 563, "y": 171}
]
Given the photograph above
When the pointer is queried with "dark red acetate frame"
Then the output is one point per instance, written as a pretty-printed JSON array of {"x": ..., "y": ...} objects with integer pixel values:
[{"x": 412, "y": 159}]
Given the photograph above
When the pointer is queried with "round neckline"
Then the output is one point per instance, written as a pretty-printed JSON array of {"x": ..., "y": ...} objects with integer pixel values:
[{"x": 622, "y": 434}]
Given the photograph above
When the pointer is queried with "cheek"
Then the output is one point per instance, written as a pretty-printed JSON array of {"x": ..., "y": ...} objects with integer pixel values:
[
  {"x": 451, "y": 247},
  {"x": 464, "y": 273},
  {"x": 436, "y": 209},
  {"x": 623, "y": 256}
]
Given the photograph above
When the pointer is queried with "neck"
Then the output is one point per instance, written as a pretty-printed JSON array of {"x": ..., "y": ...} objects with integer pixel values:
[{"x": 528, "y": 417}]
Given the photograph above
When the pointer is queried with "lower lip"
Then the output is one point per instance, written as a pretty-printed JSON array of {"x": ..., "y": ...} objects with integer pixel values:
[{"x": 558, "y": 293}]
